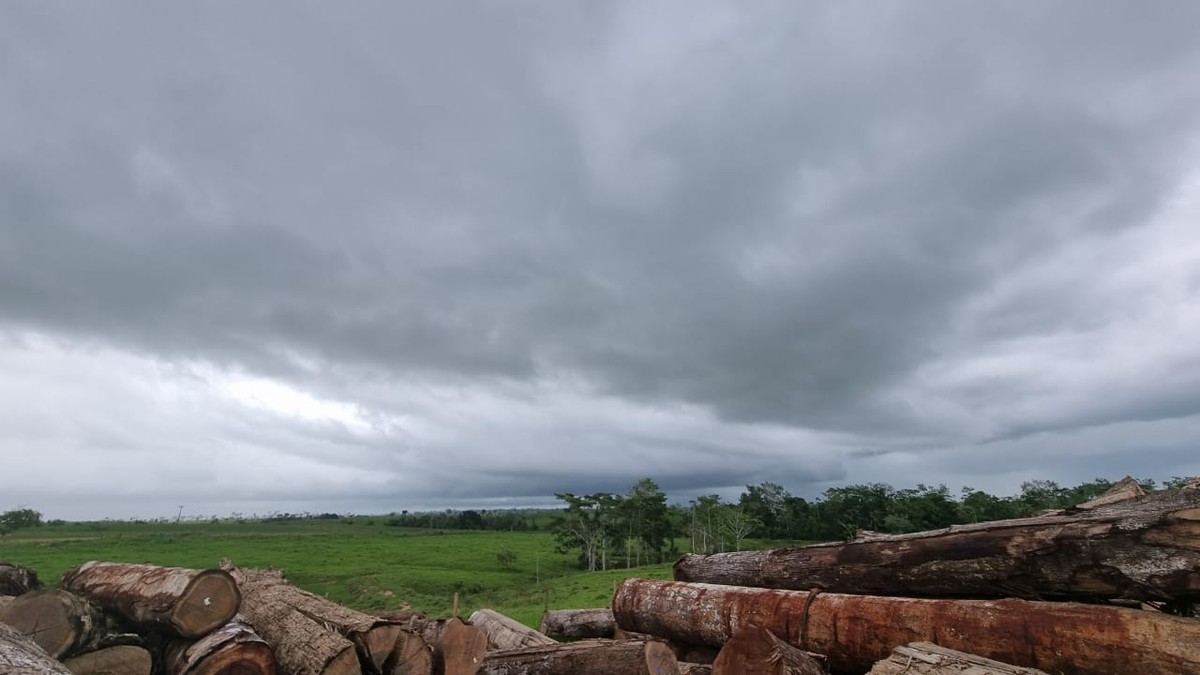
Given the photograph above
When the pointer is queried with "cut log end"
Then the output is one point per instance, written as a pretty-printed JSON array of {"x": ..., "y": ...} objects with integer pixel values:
[
  {"x": 377, "y": 644},
  {"x": 248, "y": 658},
  {"x": 462, "y": 648},
  {"x": 660, "y": 660},
  {"x": 411, "y": 656},
  {"x": 207, "y": 604},
  {"x": 756, "y": 651},
  {"x": 345, "y": 663},
  {"x": 122, "y": 659}
]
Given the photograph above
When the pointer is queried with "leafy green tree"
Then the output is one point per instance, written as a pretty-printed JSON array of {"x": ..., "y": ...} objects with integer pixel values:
[
  {"x": 647, "y": 522},
  {"x": 18, "y": 519},
  {"x": 704, "y": 523},
  {"x": 766, "y": 503},
  {"x": 588, "y": 524},
  {"x": 737, "y": 524}
]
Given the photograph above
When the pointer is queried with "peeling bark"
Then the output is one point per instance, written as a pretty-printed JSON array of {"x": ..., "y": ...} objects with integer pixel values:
[
  {"x": 585, "y": 657},
  {"x": 574, "y": 624},
  {"x": 504, "y": 633}
]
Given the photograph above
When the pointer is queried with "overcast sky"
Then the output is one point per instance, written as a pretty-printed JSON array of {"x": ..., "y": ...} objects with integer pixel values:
[{"x": 313, "y": 256}]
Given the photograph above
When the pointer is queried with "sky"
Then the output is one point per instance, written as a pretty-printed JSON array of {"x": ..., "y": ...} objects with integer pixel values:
[{"x": 310, "y": 257}]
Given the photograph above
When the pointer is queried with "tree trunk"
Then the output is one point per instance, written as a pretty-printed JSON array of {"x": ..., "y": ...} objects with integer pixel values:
[
  {"x": 19, "y": 655},
  {"x": 1142, "y": 548},
  {"x": 188, "y": 602},
  {"x": 755, "y": 651},
  {"x": 115, "y": 660},
  {"x": 923, "y": 658},
  {"x": 233, "y": 649},
  {"x": 586, "y": 657},
  {"x": 460, "y": 648},
  {"x": 15, "y": 579},
  {"x": 855, "y": 631},
  {"x": 269, "y": 596},
  {"x": 504, "y": 633},
  {"x": 573, "y": 624},
  {"x": 59, "y": 622},
  {"x": 412, "y": 656}
]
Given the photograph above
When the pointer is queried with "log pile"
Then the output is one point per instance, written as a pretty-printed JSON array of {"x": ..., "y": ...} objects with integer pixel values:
[{"x": 1107, "y": 587}]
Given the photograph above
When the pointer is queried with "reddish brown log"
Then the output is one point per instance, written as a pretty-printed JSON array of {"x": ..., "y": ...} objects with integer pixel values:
[
  {"x": 17, "y": 579},
  {"x": 923, "y": 658},
  {"x": 755, "y": 651},
  {"x": 188, "y": 602},
  {"x": 585, "y": 657},
  {"x": 1144, "y": 548},
  {"x": 856, "y": 631},
  {"x": 61, "y": 623},
  {"x": 460, "y": 648},
  {"x": 505, "y": 633},
  {"x": 412, "y": 656},
  {"x": 574, "y": 624},
  {"x": 232, "y": 649},
  {"x": 115, "y": 660},
  {"x": 20, "y": 655}
]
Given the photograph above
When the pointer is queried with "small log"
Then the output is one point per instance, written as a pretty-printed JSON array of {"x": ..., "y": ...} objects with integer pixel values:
[
  {"x": 412, "y": 656},
  {"x": 232, "y": 649},
  {"x": 188, "y": 602},
  {"x": 17, "y": 579},
  {"x": 585, "y": 657},
  {"x": 505, "y": 633},
  {"x": 855, "y": 631},
  {"x": 924, "y": 658},
  {"x": 115, "y": 660},
  {"x": 61, "y": 623},
  {"x": 574, "y": 624},
  {"x": 460, "y": 648},
  {"x": 1138, "y": 548},
  {"x": 20, "y": 655},
  {"x": 756, "y": 651},
  {"x": 686, "y": 668},
  {"x": 273, "y": 596}
]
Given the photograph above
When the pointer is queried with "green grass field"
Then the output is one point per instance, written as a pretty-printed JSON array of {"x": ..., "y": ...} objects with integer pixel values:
[{"x": 356, "y": 561}]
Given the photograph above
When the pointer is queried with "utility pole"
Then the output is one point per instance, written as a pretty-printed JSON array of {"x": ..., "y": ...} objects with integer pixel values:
[{"x": 179, "y": 516}]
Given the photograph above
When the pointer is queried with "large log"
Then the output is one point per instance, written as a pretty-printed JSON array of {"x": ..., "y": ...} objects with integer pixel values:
[
  {"x": 20, "y": 655},
  {"x": 505, "y": 633},
  {"x": 412, "y": 656},
  {"x": 460, "y": 648},
  {"x": 585, "y": 657},
  {"x": 188, "y": 602},
  {"x": 855, "y": 631},
  {"x": 755, "y": 651},
  {"x": 232, "y": 649},
  {"x": 924, "y": 658},
  {"x": 1144, "y": 548},
  {"x": 574, "y": 624},
  {"x": 273, "y": 596},
  {"x": 61, "y": 623},
  {"x": 17, "y": 579},
  {"x": 115, "y": 660}
]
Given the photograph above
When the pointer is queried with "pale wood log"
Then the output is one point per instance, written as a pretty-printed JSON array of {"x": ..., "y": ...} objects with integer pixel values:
[
  {"x": 460, "y": 648},
  {"x": 585, "y": 657},
  {"x": 17, "y": 579},
  {"x": 188, "y": 602},
  {"x": 505, "y": 633},
  {"x": 756, "y": 651},
  {"x": 1123, "y": 490},
  {"x": 412, "y": 656},
  {"x": 61, "y": 623},
  {"x": 374, "y": 639},
  {"x": 232, "y": 649},
  {"x": 855, "y": 631},
  {"x": 20, "y": 655},
  {"x": 574, "y": 624},
  {"x": 115, "y": 660},
  {"x": 924, "y": 658},
  {"x": 1143, "y": 548}
]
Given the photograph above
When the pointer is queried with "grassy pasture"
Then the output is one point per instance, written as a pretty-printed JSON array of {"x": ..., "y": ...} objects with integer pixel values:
[{"x": 358, "y": 561}]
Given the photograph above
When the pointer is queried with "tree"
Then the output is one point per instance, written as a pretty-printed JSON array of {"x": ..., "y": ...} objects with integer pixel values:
[
  {"x": 766, "y": 503},
  {"x": 705, "y": 524},
  {"x": 647, "y": 521},
  {"x": 19, "y": 518},
  {"x": 737, "y": 524},
  {"x": 588, "y": 524},
  {"x": 506, "y": 557}
]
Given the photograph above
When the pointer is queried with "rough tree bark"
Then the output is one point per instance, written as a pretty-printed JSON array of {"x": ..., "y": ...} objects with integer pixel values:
[
  {"x": 19, "y": 655},
  {"x": 61, "y": 623},
  {"x": 1143, "y": 548},
  {"x": 855, "y": 631},
  {"x": 585, "y": 657},
  {"x": 755, "y": 651},
  {"x": 574, "y": 624},
  {"x": 115, "y": 660},
  {"x": 16, "y": 579},
  {"x": 188, "y": 602},
  {"x": 924, "y": 658},
  {"x": 232, "y": 649},
  {"x": 504, "y": 633},
  {"x": 272, "y": 596}
]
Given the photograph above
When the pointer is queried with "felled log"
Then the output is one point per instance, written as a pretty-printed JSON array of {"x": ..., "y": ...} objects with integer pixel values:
[
  {"x": 505, "y": 633},
  {"x": 269, "y": 598},
  {"x": 20, "y": 655},
  {"x": 232, "y": 649},
  {"x": 585, "y": 657},
  {"x": 855, "y": 631},
  {"x": 61, "y": 623},
  {"x": 188, "y": 602},
  {"x": 17, "y": 579},
  {"x": 412, "y": 656},
  {"x": 460, "y": 648},
  {"x": 5, "y": 600},
  {"x": 123, "y": 659},
  {"x": 755, "y": 651},
  {"x": 573, "y": 624},
  {"x": 1144, "y": 548},
  {"x": 686, "y": 668},
  {"x": 924, "y": 658}
]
